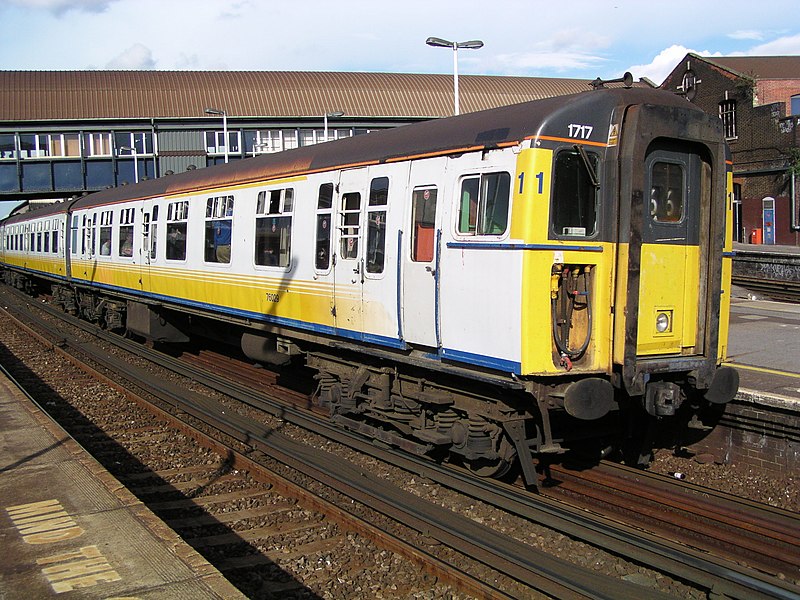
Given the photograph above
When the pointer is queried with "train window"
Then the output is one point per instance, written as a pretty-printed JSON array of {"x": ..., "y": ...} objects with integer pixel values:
[
  {"x": 350, "y": 217},
  {"x": 106, "y": 220},
  {"x": 484, "y": 204},
  {"x": 177, "y": 215},
  {"x": 219, "y": 223},
  {"x": 423, "y": 224},
  {"x": 54, "y": 245},
  {"x": 322, "y": 253},
  {"x": 376, "y": 224},
  {"x": 666, "y": 192},
  {"x": 74, "y": 234},
  {"x": 46, "y": 245},
  {"x": 126, "y": 218},
  {"x": 574, "y": 210},
  {"x": 274, "y": 228}
]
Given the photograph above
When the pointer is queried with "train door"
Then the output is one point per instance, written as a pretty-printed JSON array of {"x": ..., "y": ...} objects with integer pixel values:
[
  {"x": 421, "y": 261},
  {"x": 672, "y": 289},
  {"x": 348, "y": 267},
  {"x": 149, "y": 242}
]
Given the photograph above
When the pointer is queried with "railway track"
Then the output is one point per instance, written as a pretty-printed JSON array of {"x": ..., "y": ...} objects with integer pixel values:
[
  {"x": 761, "y": 536},
  {"x": 732, "y": 582}
]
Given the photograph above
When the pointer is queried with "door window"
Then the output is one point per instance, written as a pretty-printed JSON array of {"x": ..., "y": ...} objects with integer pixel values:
[
  {"x": 666, "y": 192},
  {"x": 322, "y": 255},
  {"x": 423, "y": 227},
  {"x": 376, "y": 224},
  {"x": 350, "y": 216}
]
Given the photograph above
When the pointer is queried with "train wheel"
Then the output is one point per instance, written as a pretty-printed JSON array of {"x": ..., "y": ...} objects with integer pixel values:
[{"x": 495, "y": 467}]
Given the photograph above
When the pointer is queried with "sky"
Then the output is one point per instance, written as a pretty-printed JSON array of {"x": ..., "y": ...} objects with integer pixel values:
[{"x": 572, "y": 38}]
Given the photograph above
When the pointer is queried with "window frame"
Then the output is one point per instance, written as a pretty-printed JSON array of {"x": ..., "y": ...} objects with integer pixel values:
[
  {"x": 555, "y": 189},
  {"x": 277, "y": 204},
  {"x": 483, "y": 179}
]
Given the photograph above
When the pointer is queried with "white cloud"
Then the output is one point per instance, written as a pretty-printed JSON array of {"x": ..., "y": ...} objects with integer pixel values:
[
  {"x": 136, "y": 57},
  {"x": 59, "y": 7},
  {"x": 746, "y": 34},
  {"x": 788, "y": 45},
  {"x": 664, "y": 62}
]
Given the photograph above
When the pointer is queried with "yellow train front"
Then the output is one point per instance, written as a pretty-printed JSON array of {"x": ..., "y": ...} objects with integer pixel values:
[{"x": 492, "y": 287}]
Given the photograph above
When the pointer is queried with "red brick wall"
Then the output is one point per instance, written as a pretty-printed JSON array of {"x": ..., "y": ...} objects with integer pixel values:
[
  {"x": 762, "y": 436},
  {"x": 778, "y": 90}
]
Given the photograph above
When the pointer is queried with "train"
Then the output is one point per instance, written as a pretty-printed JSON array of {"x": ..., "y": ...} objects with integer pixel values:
[{"x": 493, "y": 289}]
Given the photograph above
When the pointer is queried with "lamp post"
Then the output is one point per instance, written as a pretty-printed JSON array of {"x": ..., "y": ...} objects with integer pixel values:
[
  {"x": 135, "y": 162},
  {"x": 336, "y": 113},
  {"x": 216, "y": 111},
  {"x": 440, "y": 43}
]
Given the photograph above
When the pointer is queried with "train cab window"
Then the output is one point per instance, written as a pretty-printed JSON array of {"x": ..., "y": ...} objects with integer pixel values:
[
  {"x": 106, "y": 221},
  {"x": 177, "y": 216},
  {"x": 666, "y": 192},
  {"x": 219, "y": 224},
  {"x": 423, "y": 224},
  {"x": 322, "y": 252},
  {"x": 350, "y": 217},
  {"x": 274, "y": 227},
  {"x": 376, "y": 224},
  {"x": 483, "y": 204},
  {"x": 126, "y": 218},
  {"x": 575, "y": 194}
]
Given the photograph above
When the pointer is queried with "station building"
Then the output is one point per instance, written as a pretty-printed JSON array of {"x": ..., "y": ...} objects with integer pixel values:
[
  {"x": 65, "y": 133},
  {"x": 758, "y": 100}
]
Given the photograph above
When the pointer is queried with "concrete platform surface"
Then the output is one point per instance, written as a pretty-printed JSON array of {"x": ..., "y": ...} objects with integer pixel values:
[{"x": 67, "y": 525}]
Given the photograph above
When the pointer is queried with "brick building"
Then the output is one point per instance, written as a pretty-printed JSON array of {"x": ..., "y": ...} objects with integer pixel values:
[{"x": 758, "y": 100}]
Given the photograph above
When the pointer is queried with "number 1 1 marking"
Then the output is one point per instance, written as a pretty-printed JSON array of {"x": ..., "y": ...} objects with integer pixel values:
[{"x": 539, "y": 177}]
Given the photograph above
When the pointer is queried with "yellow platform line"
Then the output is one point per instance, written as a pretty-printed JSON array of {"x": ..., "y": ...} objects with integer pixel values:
[{"x": 763, "y": 370}]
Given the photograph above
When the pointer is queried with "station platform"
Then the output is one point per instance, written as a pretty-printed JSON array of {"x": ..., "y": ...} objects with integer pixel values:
[
  {"x": 767, "y": 248},
  {"x": 67, "y": 525}
]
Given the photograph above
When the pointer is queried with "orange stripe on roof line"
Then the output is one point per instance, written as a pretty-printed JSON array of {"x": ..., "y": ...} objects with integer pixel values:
[
  {"x": 551, "y": 138},
  {"x": 436, "y": 153}
]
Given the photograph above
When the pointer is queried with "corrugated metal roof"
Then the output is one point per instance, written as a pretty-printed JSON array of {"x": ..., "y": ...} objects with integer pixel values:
[
  {"x": 504, "y": 126},
  {"x": 67, "y": 95},
  {"x": 760, "y": 67}
]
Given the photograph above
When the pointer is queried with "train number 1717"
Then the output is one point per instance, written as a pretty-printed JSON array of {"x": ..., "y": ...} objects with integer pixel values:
[{"x": 580, "y": 131}]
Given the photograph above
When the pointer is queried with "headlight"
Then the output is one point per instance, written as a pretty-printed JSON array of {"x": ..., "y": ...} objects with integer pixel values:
[{"x": 662, "y": 322}]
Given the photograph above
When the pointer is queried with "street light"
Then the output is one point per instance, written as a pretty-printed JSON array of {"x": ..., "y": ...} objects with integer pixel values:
[
  {"x": 336, "y": 113},
  {"x": 216, "y": 111},
  {"x": 440, "y": 43},
  {"x": 135, "y": 162}
]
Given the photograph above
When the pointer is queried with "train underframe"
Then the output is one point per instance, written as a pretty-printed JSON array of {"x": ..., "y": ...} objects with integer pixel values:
[{"x": 487, "y": 423}]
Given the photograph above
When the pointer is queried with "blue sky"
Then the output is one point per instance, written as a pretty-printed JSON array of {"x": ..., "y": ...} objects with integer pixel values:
[{"x": 572, "y": 38}]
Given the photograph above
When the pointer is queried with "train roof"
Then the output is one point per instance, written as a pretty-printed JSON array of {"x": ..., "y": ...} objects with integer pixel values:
[{"x": 475, "y": 131}]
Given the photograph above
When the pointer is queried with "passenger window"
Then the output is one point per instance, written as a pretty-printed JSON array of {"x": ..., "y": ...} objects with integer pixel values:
[
  {"x": 322, "y": 255},
  {"x": 126, "y": 218},
  {"x": 106, "y": 221},
  {"x": 274, "y": 228},
  {"x": 219, "y": 221},
  {"x": 349, "y": 228},
  {"x": 376, "y": 224},
  {"x": 423, "y": 229},
  {"x": 666, "y": 192},
  {"x": 484, "y": 201},
  {"x": 177, "y": 216},
  {"x": 575, "y": 194}
]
